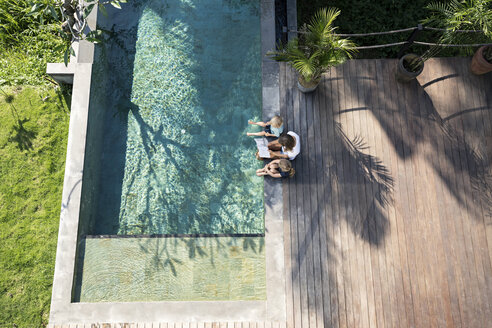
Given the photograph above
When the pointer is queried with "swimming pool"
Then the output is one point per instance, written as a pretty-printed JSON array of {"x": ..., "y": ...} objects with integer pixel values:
[{"x": 167, "y": 157}]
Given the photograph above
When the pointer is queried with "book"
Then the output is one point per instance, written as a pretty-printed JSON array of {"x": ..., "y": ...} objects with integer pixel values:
[{"x": 262, "y": 145}]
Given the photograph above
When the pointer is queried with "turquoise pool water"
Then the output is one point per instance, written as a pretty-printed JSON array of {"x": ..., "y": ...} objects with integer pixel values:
[{"x": 172, "y": 91}]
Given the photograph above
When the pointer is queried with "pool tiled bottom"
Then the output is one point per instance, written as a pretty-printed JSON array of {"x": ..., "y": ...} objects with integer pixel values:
[{"x": 171, "y": 269}]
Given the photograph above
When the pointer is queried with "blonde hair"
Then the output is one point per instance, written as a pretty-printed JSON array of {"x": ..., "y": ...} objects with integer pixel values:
[
  {"x": 276, "y": 121},
  {"x": 286, "y": 166}
]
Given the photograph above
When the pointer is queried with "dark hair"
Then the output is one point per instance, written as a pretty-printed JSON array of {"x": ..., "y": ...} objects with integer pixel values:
[{"x": 287, "y": 141}]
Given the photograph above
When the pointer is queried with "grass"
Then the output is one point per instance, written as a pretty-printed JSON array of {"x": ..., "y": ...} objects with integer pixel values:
[
  {"x": 24, "y": 63},
  {"x": 33, "y": 137},
  {"x": 364, "y": 16}
]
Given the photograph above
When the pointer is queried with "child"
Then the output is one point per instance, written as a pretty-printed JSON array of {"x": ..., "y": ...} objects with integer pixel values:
[
  {"x": 273, "y": 128},
  {"x": 279, "y": 168},
  {"x": 287, "y": 146}
]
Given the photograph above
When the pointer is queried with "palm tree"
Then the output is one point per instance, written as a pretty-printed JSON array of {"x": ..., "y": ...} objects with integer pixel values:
[
  {"x": 316, "y": 49},
  {"x": 463, "y": 15}
]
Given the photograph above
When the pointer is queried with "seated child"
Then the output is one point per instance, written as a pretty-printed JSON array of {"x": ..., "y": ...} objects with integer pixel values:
[
  {"x": 279, "y": 168},
  {"x": 273, "y": 128}
]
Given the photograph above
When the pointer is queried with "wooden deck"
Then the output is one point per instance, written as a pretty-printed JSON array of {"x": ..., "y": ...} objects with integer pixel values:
[{"x": 387, "y": 221}]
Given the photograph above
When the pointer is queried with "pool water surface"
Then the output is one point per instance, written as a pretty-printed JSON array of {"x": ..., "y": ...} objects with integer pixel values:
[
  {"x": 174, "y": 87},
  {"x": 171, "y": 206}
]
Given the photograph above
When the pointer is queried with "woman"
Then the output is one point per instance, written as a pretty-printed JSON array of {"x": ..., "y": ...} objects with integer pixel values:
[
  {"x": 288, "y": 146},
  {"x": 279, "y": 168}
]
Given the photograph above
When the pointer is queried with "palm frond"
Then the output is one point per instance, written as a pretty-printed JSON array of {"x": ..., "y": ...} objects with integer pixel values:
[
  {"x": 461, "y": 15},
  {"x": 317, "y": 47}
]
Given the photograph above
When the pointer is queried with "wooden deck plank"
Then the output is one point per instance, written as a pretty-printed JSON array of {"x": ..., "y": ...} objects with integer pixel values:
[
  {"x": 306, "y": 245},
  {"x": 460, "y": 168},
  {"x": 426, "y": 278},
  {"x": 392, "y": 254},
  {"x": 464, "y": 188},
  {"x": 376, "y": 218},
  {"x": 350, "y": 195},
  {"x": 450, "y": 167},
  {"x": 383, "y": 224},
  {"x": 326, "y": 104},
  {"x": 423, "y": 204},
  {"x": 315, "y": 226},
  {"x": 422, "y": 260},
  {"x": 445, "y": 212},
  {"x": 293, "y": 187},
  {"x": 358, "y": 202},
  {"x": 367, "y": 231},
  {"x": 288, "y": 262},
  {"x": 474, "y": 217},
  {"x": 392, "y": 125},
  {"x": 484, "y": 229},
  {"x": 345, "y": 213},
  {"x": 413, "y": 229},
  {"x": 333, "y": 105},
  {"x": 322, "y": 173},
  {"x": 299, "y": 119},
  {"x": 439, "y": 284},
  {"x": 378, "y": 249}
]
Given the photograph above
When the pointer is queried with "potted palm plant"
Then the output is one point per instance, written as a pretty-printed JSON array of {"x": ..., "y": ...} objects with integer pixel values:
[
  {"x": 411, "y": 65},
  {"x": 315, "y": 50},
  {"x": 466, "y": 15}
]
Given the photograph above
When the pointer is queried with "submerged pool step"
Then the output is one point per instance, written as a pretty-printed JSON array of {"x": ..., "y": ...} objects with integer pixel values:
[
  {"x": 214, "y": 324},
  {"x": 153, "y": 269},
  {"x": 181, "y": 235}
]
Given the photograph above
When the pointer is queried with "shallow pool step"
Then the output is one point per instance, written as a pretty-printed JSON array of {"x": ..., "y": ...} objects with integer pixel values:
[
  {"x": 146, "y": 269},
  {"x": 253, "y": 324}
]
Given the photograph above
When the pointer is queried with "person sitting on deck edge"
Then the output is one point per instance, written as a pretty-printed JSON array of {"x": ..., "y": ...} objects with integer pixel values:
[
  {"x": 278, "y": 168},
  {"x": 288, "y": 146},
  {"x": 273, "y": 128}
]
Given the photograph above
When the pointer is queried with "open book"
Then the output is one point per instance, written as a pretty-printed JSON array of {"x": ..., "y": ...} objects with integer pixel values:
[{"x": 262, "y": 144}]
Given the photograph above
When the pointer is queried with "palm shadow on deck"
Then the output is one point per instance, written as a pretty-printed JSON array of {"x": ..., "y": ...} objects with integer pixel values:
[
  {"x": 451, "y": 149},
  {"x": 392, "y": 191}
]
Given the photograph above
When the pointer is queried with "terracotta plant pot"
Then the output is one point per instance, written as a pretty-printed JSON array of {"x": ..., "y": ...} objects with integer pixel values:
[
  {"x": 306, "y": 87},
  {"x": 405, "y": 75},
  {"x": 478, "y": 64}
]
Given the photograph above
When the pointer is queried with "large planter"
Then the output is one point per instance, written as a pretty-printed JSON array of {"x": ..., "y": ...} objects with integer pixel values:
[
  {"x": 307, "y": 87},
  {"x": 405, "y": 75},
  {"x": 478, "y": 64}
]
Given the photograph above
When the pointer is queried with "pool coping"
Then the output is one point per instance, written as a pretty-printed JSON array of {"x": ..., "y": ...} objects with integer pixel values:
[{"x": 62, "y": 310}]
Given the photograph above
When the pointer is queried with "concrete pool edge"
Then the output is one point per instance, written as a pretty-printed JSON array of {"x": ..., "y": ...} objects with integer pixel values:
[{"x": 63, "y": 311}]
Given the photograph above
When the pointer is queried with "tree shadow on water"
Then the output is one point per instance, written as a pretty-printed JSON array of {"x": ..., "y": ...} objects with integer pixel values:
[{"x": 171, "y": 253}]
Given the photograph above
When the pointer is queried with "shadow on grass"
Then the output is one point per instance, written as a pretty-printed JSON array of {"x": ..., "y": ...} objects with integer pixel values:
[{"x": 21, "y": 135}]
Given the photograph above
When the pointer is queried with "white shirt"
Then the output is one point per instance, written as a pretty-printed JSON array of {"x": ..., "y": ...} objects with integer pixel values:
[{"x": 297, "y": 148}]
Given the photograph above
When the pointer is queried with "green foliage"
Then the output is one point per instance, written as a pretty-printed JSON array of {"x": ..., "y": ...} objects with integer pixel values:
[
  {"x": 33, "y": 137},
  {"x": 17, "y": 20},
  {"x": 25, "y": 63},
  {"x": 364, "y": 16},
  {"x": 317, "y": 47},
  {"x": 462, "y": 15},
  {"x": 28, "y": 41}
]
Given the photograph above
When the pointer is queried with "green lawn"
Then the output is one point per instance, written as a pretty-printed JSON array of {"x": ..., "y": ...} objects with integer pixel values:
[{"x": 33, "y": 138}]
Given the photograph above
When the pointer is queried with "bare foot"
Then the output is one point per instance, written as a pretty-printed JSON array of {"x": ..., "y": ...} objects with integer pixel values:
[
  {"x": 251, "y": 122},
  {"x": 249, "y": 134}
]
